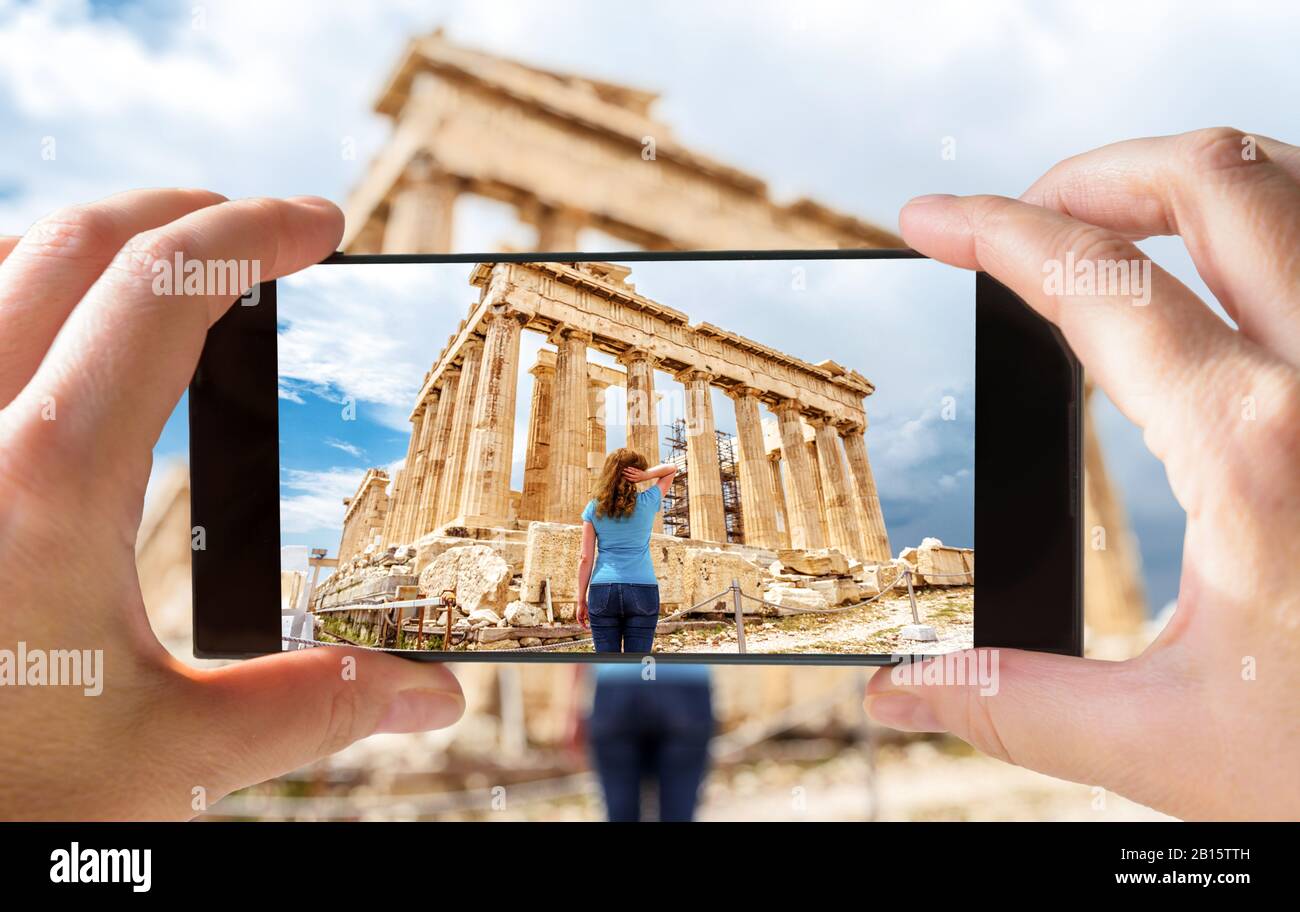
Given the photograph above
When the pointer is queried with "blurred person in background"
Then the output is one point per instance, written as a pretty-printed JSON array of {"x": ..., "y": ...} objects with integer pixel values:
[{"x": 651, "y": 723}]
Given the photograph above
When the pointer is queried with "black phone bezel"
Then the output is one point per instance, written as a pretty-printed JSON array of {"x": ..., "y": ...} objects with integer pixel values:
[{"x": 1028, "y": 475}]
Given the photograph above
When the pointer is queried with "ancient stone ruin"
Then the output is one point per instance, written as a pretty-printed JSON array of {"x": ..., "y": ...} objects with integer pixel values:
[{"x": 449, "y": 523}]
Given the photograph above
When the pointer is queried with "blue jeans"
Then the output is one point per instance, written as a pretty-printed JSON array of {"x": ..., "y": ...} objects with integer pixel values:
[
  {"x": 651, "y": 730},
  {"x": 623, "y": 616}
]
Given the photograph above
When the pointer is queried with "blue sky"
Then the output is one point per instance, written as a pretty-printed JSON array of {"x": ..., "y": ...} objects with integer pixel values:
[
  {"x": 848, "y": 103},
  {"x": 367, "y": 335}
]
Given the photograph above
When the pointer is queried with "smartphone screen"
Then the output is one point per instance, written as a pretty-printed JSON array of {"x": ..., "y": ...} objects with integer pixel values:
[{"x": 454, "y": 437}]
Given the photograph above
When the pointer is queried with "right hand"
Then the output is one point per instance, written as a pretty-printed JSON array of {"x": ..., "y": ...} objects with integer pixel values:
[
  {"x": 1204, "y": 723},
  {"x": 635, "y": 475}
]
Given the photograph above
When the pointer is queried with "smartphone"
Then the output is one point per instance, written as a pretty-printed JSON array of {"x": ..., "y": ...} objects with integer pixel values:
[{"x": 426, "y": 455}]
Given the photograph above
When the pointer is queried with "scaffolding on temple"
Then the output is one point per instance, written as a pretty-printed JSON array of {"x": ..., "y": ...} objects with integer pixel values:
[{"x": 676, "y": 507}]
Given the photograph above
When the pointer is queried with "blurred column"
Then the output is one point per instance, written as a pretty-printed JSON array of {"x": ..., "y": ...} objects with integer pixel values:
[{"x": 421, "y": 211}]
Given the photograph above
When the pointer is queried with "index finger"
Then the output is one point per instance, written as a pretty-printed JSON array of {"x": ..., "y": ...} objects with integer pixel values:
[
  {"x": 1148, "y": 345},
  {"x": 1233, "y": 198},
  {"x": 128, "y": 350}
]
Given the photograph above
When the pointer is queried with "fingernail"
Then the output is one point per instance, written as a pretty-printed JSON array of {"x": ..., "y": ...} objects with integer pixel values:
[
  {"x": 930, "y": 198},
  {"x": 314, "y": 202},
  {"x": 903, "y": 711},
  {"x": 420, "y": 709}
]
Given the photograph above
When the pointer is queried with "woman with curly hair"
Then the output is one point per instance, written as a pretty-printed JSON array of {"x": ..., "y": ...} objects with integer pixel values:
[{"x": 619, "y": 601}]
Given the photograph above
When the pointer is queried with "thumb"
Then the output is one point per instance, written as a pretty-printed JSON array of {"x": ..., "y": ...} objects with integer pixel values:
[
  {"x": 270, "y": 715},
  {"x": 1080, "y": 719}
]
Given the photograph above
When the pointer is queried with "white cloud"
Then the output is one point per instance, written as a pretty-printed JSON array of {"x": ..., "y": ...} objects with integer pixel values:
[{"x": 313, "y": 501}]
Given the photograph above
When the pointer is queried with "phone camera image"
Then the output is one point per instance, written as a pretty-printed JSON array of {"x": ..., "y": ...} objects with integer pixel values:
[{"x": 689, "y": 457}]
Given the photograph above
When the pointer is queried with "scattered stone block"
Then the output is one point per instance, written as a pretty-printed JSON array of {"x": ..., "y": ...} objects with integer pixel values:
[
  {"x": 817, "y": 562},
  {"x": 525, "y": 614},
  {"x": 476, "y": 573},
  {"x": 787, "y": 596},
  {"x": 942, "y": 566},
  {"x": 484, "y": 617},
  {"x": 708, "y": 572}
]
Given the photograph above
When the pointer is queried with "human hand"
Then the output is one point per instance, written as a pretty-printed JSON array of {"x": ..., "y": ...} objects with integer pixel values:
[
  {"x": 635, "y": 475},
  {"x": 79, "y": 416},
  {"x": 1204, "y": 723},
  {"x": 582, "y": 613}
]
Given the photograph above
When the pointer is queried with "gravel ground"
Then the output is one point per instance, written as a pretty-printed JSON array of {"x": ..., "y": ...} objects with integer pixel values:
[{"x": 873, "y": 629}]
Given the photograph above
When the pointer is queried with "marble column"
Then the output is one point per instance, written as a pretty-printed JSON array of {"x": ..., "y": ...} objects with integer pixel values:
[
  {"x": 642, "y": 417},
  {"x": 756, "y": 503},
  {"x": 642, "y": 410},
  {"x": 778, "y": 497},
  {"x": 413, "y": 471},
  {"x": 703, "y": 475},
  {"x": 485, "y": 499},
  {"x": 815, "y": 465},
  {"x": 804, "y": 519},
  {"x": 392, "y": 523},
  {"x": 837, "y": 492},
  {"x": 393, "y": 519},
  {"x": 876, "y": 537},
  {"x": 570, "y": 483},
  {"x": 537, "y": 459},
  {"x": 597, "y": 438},
  {"x": 426, "y": 515},
  {"x": 420, "y": 212},
  {"x": 453, "y": 474}
]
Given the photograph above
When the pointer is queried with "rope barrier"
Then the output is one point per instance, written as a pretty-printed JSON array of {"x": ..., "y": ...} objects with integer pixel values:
[
  {"x": 840, "y": 610},
  {"x": 570, "y": 644}
]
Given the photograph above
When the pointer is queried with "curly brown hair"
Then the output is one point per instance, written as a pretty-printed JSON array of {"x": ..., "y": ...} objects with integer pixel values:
[{"x": 615, "y": 496}]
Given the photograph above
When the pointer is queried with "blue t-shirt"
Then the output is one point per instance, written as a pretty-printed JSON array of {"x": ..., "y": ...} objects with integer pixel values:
[{"x": 623, "y": 545}]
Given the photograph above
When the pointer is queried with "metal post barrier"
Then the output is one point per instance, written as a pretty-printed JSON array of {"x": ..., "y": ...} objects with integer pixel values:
[
  {"x": 911, "y": 596},
  {"x": 916, "y": 630},
  {"x": 740, "y": 615}
]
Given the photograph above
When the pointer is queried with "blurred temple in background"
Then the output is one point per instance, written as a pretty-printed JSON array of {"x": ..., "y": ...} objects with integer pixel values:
[{"x": 574, "y": 156}]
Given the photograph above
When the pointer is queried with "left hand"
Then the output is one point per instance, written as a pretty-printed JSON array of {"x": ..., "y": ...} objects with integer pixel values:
[
  {"x": 92, "y": 362},
  {"x": 582, "y": 614}
]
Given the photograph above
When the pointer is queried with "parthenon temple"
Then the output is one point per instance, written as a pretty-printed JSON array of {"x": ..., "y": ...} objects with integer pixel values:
[
  {"x": 811, "y": 489},
  {"x": 570, "y": 155}
]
